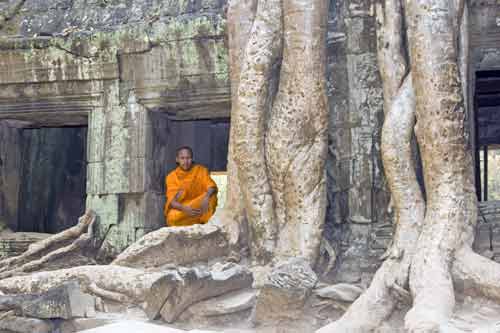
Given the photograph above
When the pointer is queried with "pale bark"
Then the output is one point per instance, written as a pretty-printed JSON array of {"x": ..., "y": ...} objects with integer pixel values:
[
  {"x": 262, "y": 50},
  {"x": 42, "y": 253},
  {"x": 280, "y": 170},
  {"x": 232, "y": 217},
  {"x": 131, "y": 283},
  {"x": 296, "y": 143},
  {"x": 447, "y": 161}
]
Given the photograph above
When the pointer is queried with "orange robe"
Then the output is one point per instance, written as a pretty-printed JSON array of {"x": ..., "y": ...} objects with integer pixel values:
[{"x": 194, "y": 185}]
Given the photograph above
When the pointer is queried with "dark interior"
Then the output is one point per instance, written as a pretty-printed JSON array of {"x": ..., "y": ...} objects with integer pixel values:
[
  {"x": 43, "y": 183},
  {"x": 209, "y": 140},
  {"x": 487, "y": 119}
]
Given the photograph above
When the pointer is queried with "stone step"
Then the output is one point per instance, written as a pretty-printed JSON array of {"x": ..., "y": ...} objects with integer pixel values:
[{"x": 13, "y": 244}]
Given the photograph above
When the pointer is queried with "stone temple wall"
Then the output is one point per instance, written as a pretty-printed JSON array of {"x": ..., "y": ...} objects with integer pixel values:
[{"x": 125, "y": 69}]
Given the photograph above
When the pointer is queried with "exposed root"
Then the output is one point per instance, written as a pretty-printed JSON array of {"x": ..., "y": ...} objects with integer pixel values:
[
  {"x": 7, "y": 314},
  {"x": 261, "y": 52},
  {"x": 123, "y": 284},
  {"x": 40, "y": 249},
  {"x": 327, "y": 251},
  {"x": 41, "y": 253},
  {"x": 389, "y": 284},
  {"x": 476, "y": 275},
  {"x": 110, "y": 295},
  {"x": 401, "y": 294},
  {"x": 446, "y": 157}
]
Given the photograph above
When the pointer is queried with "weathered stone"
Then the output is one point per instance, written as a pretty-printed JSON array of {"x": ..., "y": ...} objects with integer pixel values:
[
  {"x": 200, "y": 284},
  {"x": 13, "y": 244},
  {"x": 178, "y": 246},
  {"x": 158, "y": 293},
  {"x": 24, "y": 325},
  {"x": 340, "y": 292},
  {"x": 284, "y": 293},
  {"x": 224, "y": 304},
  {"x": 66, "y": 301},
  {"x": 80, "y": 324},
  {"x": 133, "y": 326}
]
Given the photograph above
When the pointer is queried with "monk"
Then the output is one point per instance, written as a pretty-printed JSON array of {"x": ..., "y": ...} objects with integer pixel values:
[{"x": 191, "y": 193}]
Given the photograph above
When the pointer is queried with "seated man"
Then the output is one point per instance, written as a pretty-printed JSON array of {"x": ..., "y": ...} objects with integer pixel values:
[{"x": 191, "y": 193}]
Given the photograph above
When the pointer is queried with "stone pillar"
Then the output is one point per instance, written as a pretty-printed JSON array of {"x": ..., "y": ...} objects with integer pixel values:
[
  {"x": 357, "y": 220},
  {"x": 125, "y": 170},
  {"x": 10, "y": 175}
]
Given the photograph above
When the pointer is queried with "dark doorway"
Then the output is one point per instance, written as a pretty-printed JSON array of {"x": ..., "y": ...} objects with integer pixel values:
[
  {"x": 209, "y": 140},
  {"x": 46, "y": 177},
  {"x": 487, "y": 119}
]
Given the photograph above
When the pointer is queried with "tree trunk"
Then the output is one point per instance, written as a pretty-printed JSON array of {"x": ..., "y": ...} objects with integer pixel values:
[
  {"x": 232, "y": 217},
  {"x": 433, "y": 257},
  {"x": 446, "y": 157},
  {"x": 378, "y": 302},
  {"x": 279, "y": 139},
  {"x": 296, "y": 142}
]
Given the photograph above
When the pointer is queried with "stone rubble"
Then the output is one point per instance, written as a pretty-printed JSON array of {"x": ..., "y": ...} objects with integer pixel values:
[{"x": 285, "y": 292}]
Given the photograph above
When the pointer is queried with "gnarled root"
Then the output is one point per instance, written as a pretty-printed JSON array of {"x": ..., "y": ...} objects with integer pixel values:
[
  {"x": 390, "y": 283},
  {"x": 40, "y": 254},
  {"x": 476, "y": 275},
  {"x": 108, "y": 281}
]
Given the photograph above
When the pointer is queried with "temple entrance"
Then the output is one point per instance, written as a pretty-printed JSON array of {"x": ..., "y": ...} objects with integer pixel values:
[
  {"x": 42, "y": 177},
  {"x": 209, "y": 140},
  {"x": 487, "y": 116}
]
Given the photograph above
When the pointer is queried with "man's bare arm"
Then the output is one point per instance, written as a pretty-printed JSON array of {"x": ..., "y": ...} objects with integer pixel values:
[
  {"x": 186, "y": 209},
  {"x": 204, "y": 203}
]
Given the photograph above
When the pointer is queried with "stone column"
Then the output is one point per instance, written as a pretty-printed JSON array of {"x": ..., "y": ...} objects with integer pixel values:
[
  {"x": 10, "y": 175},
  {"x": 125, "y": 169}
]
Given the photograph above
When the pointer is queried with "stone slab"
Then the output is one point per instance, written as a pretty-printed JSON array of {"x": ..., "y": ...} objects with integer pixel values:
[
  {"x": 131, "y": 326},
  {"x": 176, "y": 245}
]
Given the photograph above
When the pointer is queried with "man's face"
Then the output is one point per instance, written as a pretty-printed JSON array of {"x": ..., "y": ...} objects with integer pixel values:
[{"x": 184, "y": 159}]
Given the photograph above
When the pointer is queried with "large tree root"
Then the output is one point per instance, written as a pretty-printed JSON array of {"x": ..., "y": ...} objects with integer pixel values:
[
  {"x": 250, "y": 113},
  {"x": 279, "y": 135},
  {"x": 435, "y": 258},
  {"x": 108, "y": 281},
  {"x": 232, "y": 218},
  {"x": 42, "y": 254},
  {"x": 474, "y": 274},
  {"x": 296, "y": 141}
]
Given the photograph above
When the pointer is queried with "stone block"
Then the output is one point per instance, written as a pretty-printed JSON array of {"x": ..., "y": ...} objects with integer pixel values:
[
  {"x": 95, "y": 136},
  {"x": 24, "y": 325},
  {"x": 495, "y": 239},
  {"x": 131, "y": 326},
  {"x": 200, "y": 284},
  {"x": 361, "y": 34},
  {"x": 95, "y": 178},
  {"x": 13, "y": 244},
  {"x": 482, "y": 240},
  {"x": 64, "y": 302},
  {"x": 125, "y": 175},
  {"x": 80, "y": 324},
  {"x": 154, "y": 219},
  {"x": 106, "y": 208},
  {"x": 175, "y": 246},
  {"x": 343, "y": 292},
  {"x": 225, "y": 304},
  {"x": 284, "y": 293}
]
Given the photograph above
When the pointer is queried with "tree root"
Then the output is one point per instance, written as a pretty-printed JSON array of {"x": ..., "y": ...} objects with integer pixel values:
[
  {"x": 476, "y": 275},
  {"x": 389, "y": 284},
  {"x": 41, "y": 253},
  {"x": 110, "y": 295},
  {"x": 113, "y": 282}
]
